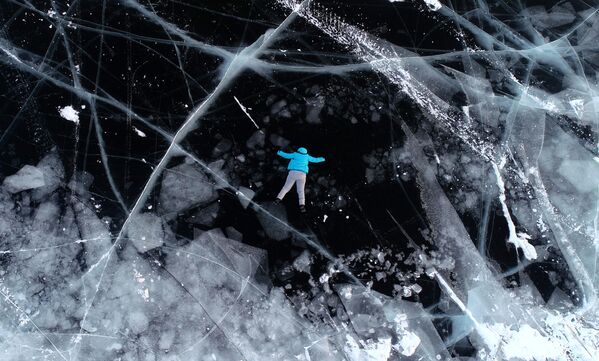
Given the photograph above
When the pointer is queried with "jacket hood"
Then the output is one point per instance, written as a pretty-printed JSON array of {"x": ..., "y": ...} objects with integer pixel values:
[{"x": 302, "y": 150}]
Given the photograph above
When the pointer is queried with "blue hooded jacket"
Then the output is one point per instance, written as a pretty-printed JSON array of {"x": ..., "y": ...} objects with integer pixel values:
[{"x": 300, "y": 159}]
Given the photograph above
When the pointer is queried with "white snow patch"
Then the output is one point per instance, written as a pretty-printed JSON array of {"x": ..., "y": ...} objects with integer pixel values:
[
  {"x": 527, "y": 344},
  {"x": 434, "y": 5},
  {"x": 518, "y": 239},
  {"x": 466, "y": 110},
  {"x": 69, "y": 113},
  {"x": 139, "y": 132}
]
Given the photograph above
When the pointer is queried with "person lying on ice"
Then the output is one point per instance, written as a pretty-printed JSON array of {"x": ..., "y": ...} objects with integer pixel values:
[{"x": 298, "y": 169}]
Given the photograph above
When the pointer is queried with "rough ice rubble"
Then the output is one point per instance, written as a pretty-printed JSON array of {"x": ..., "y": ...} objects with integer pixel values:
[
  {"x": 44, "y": 246},
  {"x": 43, "y": 178},
  {"x": 124, "y": 278},
  {"x": 168, "y": 302},
  {"x": 404, "y": 326}
]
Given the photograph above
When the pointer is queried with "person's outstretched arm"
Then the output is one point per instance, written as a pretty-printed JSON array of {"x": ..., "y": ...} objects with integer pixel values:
[
  {"x": 285, "y": 155},
  {"x": 312, "y": 159}
]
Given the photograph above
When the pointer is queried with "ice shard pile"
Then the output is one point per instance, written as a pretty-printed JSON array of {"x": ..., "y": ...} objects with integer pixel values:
[{"x": 455, "y": 218}]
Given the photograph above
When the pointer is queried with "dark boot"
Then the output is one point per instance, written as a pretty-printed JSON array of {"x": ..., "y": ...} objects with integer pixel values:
[
  {"x": 302, "y": 208},
  {"x": 277, "y": 201}
]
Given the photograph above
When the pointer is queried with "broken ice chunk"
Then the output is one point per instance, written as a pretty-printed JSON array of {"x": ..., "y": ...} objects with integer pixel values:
[
  {"x": 416, "y": 288},
  {"x": 28, "y": 177},
  {"x": 273, "y": 219},
  {"x": 371, "y": 350},
  {"x": 222, "y": 147},
  {"x": 256, "y": 140},
  {"x": 409, "y": 343},
  {"x": 245, "y": 196},
  {"x": 303, "y": 261},
  {"x": 313, "y": 108},
  {"x": 183, "y": 187},
  {"x": 205, "y": 216},
  {"x": 578, "y": 107},
  {"x": 242, "y": 258},
  {"x": 581, "y": 174},
  {"x": 146, "y": 232},
  {"x": 52, "y": 168},
  {"x": 234, "y": 234},
  {"x": 280, "y": 108},
  {"x": 278, "y": 141},
  {"x": 218, "y": 173}
]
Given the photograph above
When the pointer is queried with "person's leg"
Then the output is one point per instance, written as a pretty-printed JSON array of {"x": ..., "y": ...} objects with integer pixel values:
[
  {"x": 287, "y": 186},
  {"x": 300, "y": 184}
]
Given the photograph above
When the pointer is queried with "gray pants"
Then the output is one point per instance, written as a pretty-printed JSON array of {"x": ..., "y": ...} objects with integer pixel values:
[{"x": 299, "y": 179}]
